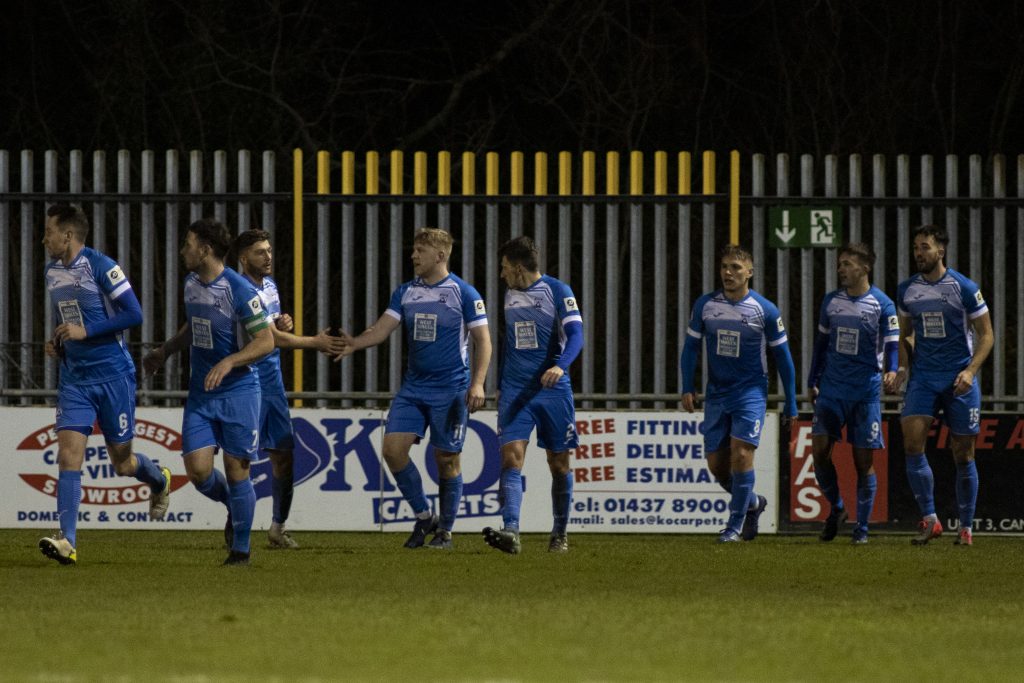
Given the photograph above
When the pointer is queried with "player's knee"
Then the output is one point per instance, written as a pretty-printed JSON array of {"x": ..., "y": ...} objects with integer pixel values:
[
  {"x": 558, "y": 463},
  {"x": 282, "y": 464}
]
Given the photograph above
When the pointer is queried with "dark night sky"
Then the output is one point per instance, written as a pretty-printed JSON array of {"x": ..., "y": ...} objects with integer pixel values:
[{"x": 819, "y": 77}]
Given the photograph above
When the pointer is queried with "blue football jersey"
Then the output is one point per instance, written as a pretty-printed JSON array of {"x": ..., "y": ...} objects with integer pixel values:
[
  {"x": 269, "y": 367},
  {"x": 437, "y": 319},
  {"x": 222, "y": 314},
  {"x": 941, "y": 312},
  {"x": 535, "y": 321},
  {"x": 736, "y": 334},
  {"x": 858, "y": 329},
  {"x": 83, "y": 293}
]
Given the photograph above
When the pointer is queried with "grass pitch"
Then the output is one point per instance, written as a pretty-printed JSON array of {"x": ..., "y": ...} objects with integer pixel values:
[{"x": 157, "y": 605}]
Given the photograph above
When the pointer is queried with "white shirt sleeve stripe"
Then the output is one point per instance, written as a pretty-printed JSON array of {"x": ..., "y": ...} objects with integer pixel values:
[
  {"x": 393, "y": 314},
  {"x": 574, "y": 318},
  {"x": 476, "y": 323},
  {"x": 823, "y": 329},
  {"x": 780, "y": 340},
  {"x": 978, "y": 313},
  {"x": 695, "y": 335},
  {"x": 120, "y": 289}
]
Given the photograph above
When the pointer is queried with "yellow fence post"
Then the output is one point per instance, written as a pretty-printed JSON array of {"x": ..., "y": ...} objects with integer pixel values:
[
  {"x": 419, "y": 174},
  {"x": 636, "y": 173},
  {"x": 444, "y": 173}
]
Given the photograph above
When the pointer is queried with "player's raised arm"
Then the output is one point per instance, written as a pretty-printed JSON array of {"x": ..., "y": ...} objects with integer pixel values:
[
  {"x": 323, "y": 341},
  {"x": 371, "y": 336}
]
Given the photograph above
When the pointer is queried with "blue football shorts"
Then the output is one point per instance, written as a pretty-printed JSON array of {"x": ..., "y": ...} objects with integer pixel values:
[
  {"x": 551, "y": 411},
  {"x": 275, "y": 422},
  {"x": 863, "y": 421},
  {"x": 413, "y": 410},
  {"x": 928, "y": 395},
  {"x": 112, "y": 403},
  {"x": 740, "y": 416},
  {"x": 229, "y": 421}
]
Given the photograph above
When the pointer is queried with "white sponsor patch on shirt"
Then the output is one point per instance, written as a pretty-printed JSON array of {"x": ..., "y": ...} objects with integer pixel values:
[
  {"x": 894, "y": 322},
  {"x": 526, "y": 334},
  {"x": 202, "y": 333},
  {"x": 570, "y": 304},
  {"x": 934, "y": 325},
  {"x": 979, "y": 298},
  {"x": 70, "y": 313},
  {"x": 779, "y": 326},
  {"x": 728, "y": 344},
  {"x": 847, "y": 339},
  {"x": 479, "y": 307},
  {"x": 425, "y": 327},
  {"x": 115, "y": 275},
  {"x": 255, "y": 305}
]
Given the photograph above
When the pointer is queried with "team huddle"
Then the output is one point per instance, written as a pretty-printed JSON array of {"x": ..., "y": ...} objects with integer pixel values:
[{"x": 235, "y": 328}]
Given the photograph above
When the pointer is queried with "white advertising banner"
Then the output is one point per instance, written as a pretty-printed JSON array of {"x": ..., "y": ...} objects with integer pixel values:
[{"x": 633, "y": 472}]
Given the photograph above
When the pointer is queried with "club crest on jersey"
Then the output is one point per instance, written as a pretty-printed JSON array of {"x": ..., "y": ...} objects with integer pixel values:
[
  {"x": 115, "y": 274},
  {"x": 479, "y": 307},
  {"x": 255, "y": 305},
  {"x": 570, "y": 304}
]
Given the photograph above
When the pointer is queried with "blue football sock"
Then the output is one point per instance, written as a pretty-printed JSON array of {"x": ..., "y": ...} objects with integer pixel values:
[
  {"x": 742, "y": 490},
  {"x": 922, "y": 482},
  {"x": 243, "y": 508},
  {"x": 966, "y": 492},
  {"x": 561, "y": 499},
  {"x": 215, "y": 487},
  {"x": 450, "y": 496},
  {"x": 866, "y": 487},
  {"x": 411, "y": 486},
  {"x": 511, "y": 487},
  {"x": 282, "y": 488},
  {"x": 148, "y": 473},
  {"x": 828, "y": 481},
  {"x": 69, "y": 495}
]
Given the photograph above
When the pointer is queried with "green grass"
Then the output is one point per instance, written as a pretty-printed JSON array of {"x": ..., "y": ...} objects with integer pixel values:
[{"x": 358, "y": 606}]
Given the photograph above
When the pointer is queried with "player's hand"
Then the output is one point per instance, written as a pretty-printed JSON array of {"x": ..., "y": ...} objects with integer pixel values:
[
  {"x": 475, "y": 397},
  {"x": 899, "y": 378},
  {"x": 786, "y": 423},
  {"x": 284, "y": 323},
  {"x": 889, "y": 382},
  {"x": 328, "y": 344},
  {"x": 51, "y": 349},
  {"x": 813, "y": 394},
  {"x": 963, "y": 382},
  {"x": 551, "y": 376},
  {"x": 688, "y": 402},
  {"x": 345, "y": 345},
  {"x": 217, "y": 374},
  {"x": 68, "y": 332},
  {"x": 153, "y": 361}
]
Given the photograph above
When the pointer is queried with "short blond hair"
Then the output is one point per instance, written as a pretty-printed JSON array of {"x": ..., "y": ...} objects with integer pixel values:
[{"x": 436, "y": 238}]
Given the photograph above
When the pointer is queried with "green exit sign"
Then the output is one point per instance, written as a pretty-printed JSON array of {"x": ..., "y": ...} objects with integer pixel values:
[{"x": 804, "y": 226}]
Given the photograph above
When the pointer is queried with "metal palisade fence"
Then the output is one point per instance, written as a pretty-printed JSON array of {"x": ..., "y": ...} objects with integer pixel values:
[{"x": 635, "y": 235}]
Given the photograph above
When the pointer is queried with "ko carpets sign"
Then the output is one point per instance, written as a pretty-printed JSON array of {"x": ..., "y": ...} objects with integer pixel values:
[{"x": 633, "y": 472}]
